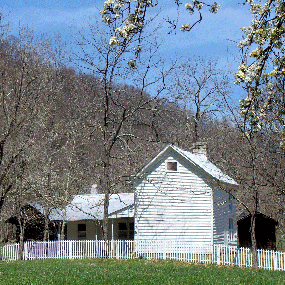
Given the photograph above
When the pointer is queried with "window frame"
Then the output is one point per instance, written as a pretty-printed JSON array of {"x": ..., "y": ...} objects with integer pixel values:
[
  {"x": 171, "y": 163},
  {"x": 231, "y": 224},
  {"x": 128, "y": 233}
]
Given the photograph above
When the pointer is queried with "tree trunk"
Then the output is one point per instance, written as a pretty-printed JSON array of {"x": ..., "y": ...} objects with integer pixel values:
[
  {"x": 197, "y": 120},
  {"x": 253, "y": 216},
  {"x": 46, "y": 231},
  {"x": 106, "y": 191},
  {"x": 105, "y": 216},
  {"x": 196, "y": 136},
  {"x": 21, "y": 241},
  {"x": 105, "y": 185},
  {"x": 63, "y": 225},
  {"x": 253, "y": 242}
]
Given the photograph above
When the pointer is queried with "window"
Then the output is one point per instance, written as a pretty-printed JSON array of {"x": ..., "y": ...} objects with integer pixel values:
[
  {"x": 132, "y": 231},
  {"x": 123, "y": 231},
  {"x": 65, "y": 231},
  {"x": 171, "y": 166},
  {"x": 81, "y": 231},
  {"x": 126, "y": 231},
  {"x": 231, "y": 224}
]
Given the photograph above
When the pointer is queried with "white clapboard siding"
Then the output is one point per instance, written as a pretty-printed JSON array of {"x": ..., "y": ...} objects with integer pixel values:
[
  {"x": 173, "y": 205},
  {"x": 222, "y": 214}
]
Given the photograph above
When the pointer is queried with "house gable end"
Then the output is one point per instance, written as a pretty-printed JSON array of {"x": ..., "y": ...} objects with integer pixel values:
[
  {"x": 173, "y": 204},
  {"x": 201, "y": 164}
]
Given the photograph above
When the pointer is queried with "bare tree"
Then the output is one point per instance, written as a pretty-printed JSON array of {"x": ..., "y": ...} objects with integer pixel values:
[
  {"x": 196, "y": 87},
  {"x": 255, "y": 160},
  {"x": 22, "y": 103},
  {"x": 115, "y": 108}
]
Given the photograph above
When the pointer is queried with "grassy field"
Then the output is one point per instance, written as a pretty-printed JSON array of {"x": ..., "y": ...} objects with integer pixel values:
[{"x": 102, "y": 271}]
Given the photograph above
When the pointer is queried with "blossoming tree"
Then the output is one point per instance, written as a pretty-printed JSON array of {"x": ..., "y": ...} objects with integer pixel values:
[
  {"x": 129, "y": 17},
  {"x": 261, "y": 74},
  {"x": 263, "y": 68}
]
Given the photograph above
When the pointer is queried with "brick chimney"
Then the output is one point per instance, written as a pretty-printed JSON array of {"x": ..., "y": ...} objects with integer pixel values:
[
  {"x": 199, "y": 148},
  {"x": 94, "y": 189}
]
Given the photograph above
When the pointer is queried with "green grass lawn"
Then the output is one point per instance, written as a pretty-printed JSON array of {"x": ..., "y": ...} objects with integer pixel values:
[{"x": 139, "y": 271}]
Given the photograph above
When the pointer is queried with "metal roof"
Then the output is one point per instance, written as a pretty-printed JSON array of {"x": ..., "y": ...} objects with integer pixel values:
[
  {"x": 202, "y": 161},
  {"x": 91, "y": 206},
  {"x": 54, "y": 215}
]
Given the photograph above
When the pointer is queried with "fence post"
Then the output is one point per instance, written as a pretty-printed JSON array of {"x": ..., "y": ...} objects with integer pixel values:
[
  {"x": 117, "y": 249},
  {"x": 218, "y": 254},
  {"x": 25, "y": 251},
  {"x": 164, "y": 250},
  {"x": 70, "y": 249},
  {"x": 112, "y": 248},
  {"x": 275, "y": 262}
]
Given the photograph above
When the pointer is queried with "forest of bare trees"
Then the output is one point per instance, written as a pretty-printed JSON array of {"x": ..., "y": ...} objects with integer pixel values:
[{"x": 62, "y": 130}]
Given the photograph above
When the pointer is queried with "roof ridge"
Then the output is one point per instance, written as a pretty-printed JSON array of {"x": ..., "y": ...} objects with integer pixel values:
[{"x": 199, "y": 160}]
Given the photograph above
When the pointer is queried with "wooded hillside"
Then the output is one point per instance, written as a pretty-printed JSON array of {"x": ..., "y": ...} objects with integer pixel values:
[{"x": 52, "y": 142}]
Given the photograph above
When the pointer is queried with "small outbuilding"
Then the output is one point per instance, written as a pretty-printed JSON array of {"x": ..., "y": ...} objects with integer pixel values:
[
  {"x": 32, "y": 219},
  {"x": 265, "y": 228}
]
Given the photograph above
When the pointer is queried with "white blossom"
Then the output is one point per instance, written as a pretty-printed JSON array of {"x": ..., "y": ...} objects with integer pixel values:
[
  {"x": 113, "y": 41},
  {"x": 214, "y": 8},
  {"x": 132, "y": 63},
  {"x": 185, "y": 27}
]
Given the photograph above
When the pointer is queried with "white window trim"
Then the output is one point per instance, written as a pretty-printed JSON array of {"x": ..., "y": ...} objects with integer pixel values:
[{"x": 167, "y": 170}]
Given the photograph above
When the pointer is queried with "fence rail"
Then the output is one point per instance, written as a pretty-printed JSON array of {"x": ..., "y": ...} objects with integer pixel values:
[{"x": 182, "y": 251}]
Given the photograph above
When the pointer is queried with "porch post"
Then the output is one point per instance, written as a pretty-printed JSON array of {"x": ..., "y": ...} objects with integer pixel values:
[
  {"x": 58, "y": 232},
  {"x": 112, "y": 229},
  {"x": 96, "y": 234},
  {"x": 112, "y": 241}
]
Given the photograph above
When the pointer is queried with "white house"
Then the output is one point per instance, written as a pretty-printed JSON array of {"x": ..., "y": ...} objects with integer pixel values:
[
  {"x": 182, "y": 196},
  {"x": 178, "y": 195}
]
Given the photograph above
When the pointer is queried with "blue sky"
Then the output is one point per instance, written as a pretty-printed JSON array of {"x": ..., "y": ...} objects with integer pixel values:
[
  {"x": 216, "y": 37},
  {"x": 213, "y": 36}
]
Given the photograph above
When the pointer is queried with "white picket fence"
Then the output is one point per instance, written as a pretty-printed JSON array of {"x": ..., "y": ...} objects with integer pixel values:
[{"x": 119, "y": 249}]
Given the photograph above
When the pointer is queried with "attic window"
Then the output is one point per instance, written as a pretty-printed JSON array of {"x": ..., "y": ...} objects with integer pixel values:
[{"x": 171, "y": 166}]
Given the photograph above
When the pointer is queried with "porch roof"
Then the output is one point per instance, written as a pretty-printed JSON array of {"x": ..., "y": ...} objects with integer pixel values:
[{"x": 91, "y": 207}]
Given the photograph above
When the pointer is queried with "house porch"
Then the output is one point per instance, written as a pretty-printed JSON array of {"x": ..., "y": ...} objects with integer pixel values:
[{"x": 119, "y": 229}]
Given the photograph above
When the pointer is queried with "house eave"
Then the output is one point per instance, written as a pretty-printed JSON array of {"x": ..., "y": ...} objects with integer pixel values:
[
  {"x": 140, "y": 174},
  {"x": 122, "y": 210}
]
